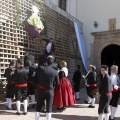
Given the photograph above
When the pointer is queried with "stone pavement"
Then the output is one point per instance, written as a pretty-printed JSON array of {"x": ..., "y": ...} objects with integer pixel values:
[{"x": 77, "y": 112}]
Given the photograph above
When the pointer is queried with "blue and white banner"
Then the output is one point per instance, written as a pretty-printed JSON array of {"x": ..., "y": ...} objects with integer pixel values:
[{"x": 81, "y": 45}]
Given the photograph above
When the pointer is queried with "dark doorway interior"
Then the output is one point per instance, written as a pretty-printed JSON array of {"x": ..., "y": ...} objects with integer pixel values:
[{"x": 111, "y": 56}]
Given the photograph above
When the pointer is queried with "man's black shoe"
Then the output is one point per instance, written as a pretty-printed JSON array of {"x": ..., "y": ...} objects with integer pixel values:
[
  {"x": 25, "y": 113},
  {"x": 12, "y": 108},
  {"x": 87, "y": 102},
  {"x": 18, "y": 113},
  {"x": 90, "y": 106},
  {"x": 33, "y": 106}
]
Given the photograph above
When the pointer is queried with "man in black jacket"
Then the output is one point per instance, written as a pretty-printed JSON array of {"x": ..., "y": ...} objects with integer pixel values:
[
  {"x": 47, "y": 78},
  {"x": 9, "y": 72},
  {"x": 76, "y": 80},
  {"x": 116, "y": 90},
  {"x": 105, "y": 93},
  {"x": 92, "y": 85},
  {"x": 49, "y": 50},
  {"x": 29, "y": 62},
  {"x": 20, "y": 79},
  {"x": 50, "y": 46}
]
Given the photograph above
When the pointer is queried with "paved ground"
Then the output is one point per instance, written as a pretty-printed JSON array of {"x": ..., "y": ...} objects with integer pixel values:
[{"x": 78, "y": 112}]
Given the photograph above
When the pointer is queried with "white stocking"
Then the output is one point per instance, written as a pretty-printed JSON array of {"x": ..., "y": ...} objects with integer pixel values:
[
  {"x": 37, "y": 115},
  {"x": 25, "y": 105},
  {"x": 48, "y": 116},
  {"x": 18, "y": 106}
]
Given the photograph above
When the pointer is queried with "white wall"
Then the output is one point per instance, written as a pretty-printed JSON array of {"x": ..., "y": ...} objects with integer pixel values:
[
  {"x": 101, "y": 11},
  {"x": 54, "y": 1},
  {"x": 72, "y": 7}
]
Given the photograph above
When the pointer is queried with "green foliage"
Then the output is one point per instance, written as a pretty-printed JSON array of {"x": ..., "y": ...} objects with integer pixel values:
[
  {"x": 17, "y": 17},
  {"x": 43, "y": 13},
  {"x": 44, "y": 31},
  {"x": 18, "y": 12}
]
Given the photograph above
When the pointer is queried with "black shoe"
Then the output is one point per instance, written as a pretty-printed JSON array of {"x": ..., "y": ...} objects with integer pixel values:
[
  {"x": 87, "y": 102},
  {"x": 43, "y": 111},
  {"x": 25, "y": 113},
  {"x": 28, "y": 107},
  {"x": 77, "y": 99},
  {"x": 12, "y": 108},
  {"x": 18, "y": 113},
  {"x": 61, "y": 108},
  {"x": 33, "y": 106},
  {"x": 110, "y": 118},
  {"x": 90, "y": 106}
]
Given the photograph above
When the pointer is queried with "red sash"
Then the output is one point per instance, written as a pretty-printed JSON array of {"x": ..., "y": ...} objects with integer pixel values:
[
  {"x": 21, "y": 85},
  {"x": 114, "y": 90},
  {"x": 109, "y": 93},
  {"x": 43, "y": 88},
  {"x": 94, "y": 85}
]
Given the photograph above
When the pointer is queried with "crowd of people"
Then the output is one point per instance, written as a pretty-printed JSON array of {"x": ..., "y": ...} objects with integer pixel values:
[
  {"x": 106, "y": 89},
  {"x": 47, "y": 83}
]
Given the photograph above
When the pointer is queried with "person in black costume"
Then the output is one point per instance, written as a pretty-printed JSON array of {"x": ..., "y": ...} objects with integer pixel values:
[
  {"x": 46, "y": 78},
  {"x": 116, "y": 90},
  {"x": 20, "y": 79},
  {"x": 91, "y": 85},
  {"x": 88, "y": 101},
  {"x": 76, "y": 80},
  {"x": 49, "y": 50},
  {"x": 104, "y": 94},
  {"x": 50, "y": 46},
  {"x": 9, "y": 72},
  {"x": 30, "y": 64}
]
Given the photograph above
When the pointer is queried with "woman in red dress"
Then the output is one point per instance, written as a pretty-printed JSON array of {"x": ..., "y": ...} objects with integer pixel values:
[{"x": 63, "y": 93}]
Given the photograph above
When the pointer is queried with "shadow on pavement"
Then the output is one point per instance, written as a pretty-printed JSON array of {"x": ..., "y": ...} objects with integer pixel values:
[
  {"x": 75, "y": 117},
  {"x": 7, "y": 113}
]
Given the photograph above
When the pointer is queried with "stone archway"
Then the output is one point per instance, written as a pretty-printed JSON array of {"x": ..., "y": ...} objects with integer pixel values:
[
  {"x": 102, "y": 40},
  {"x": 110, "y": 56}
]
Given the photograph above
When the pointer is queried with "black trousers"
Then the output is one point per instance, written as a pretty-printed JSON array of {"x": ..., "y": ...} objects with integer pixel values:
[
  {"x": 10, "y": 90},
  {"x": 115, "y": 99},
  {"x": 104, "y": 104},
  {"x": 43, "y": 95},
  {"x": 21, "y": 92},
  {"x": 77, "y": 87},
  {"x": 90, "y": 91},
  {"x": 31, "y": 89}
]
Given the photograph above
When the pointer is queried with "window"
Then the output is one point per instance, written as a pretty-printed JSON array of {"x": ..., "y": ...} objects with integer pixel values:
[{"x": 62, "y": 4}]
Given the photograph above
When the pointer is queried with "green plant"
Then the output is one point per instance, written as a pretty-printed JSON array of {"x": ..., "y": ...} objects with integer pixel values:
[
  {"x": 43, "y": 13},
  {"x": 18, "y": 12},
  {"x": 17, "y": 17},
  {"x": 44, "y": 32}
]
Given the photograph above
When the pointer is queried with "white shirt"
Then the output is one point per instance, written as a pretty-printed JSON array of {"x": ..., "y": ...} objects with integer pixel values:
[
  {"x": 65, "y": 70},
  {"x": 48, "y": 47},
  {"x": 114, "y": 79}
]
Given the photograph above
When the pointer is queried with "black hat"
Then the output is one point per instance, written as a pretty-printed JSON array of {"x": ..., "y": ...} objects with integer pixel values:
[
  {"x": 29, "y": 57},
  {"x": 50, "y": 60}
]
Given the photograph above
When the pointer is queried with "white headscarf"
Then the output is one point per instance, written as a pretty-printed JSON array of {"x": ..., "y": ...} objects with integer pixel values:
[{"x": 65, "y": 70}]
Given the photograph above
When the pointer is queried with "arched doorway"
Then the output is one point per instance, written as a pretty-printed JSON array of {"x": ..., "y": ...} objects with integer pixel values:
[{"x": 111, "y": 55}]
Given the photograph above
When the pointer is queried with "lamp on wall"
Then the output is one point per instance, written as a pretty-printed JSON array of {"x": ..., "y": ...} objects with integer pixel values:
[{"x": 96, "y": 24}]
